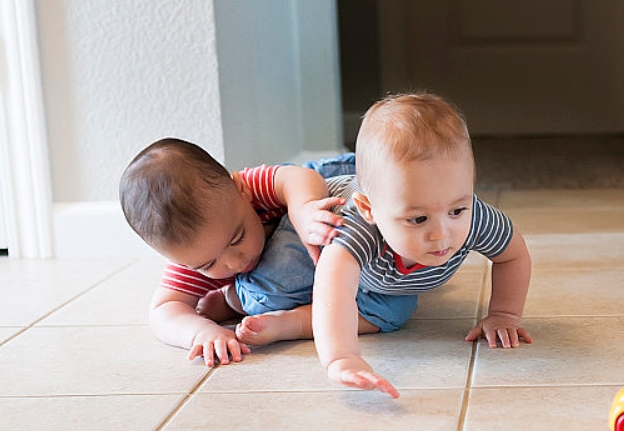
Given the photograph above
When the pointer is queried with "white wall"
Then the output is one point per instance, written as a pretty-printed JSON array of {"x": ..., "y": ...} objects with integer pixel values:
[
  {"x": 280, "y": 83},
  {"x": 117, "y": 75}
]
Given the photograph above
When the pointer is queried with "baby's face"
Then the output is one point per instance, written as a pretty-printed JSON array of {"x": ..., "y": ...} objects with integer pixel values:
[
  {"x": 230, "y": 243},
  {"x": 424, "y": 209}
]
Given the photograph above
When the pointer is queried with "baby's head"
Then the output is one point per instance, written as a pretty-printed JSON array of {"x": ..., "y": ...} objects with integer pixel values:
[
  {"x": 405, "y": 128},
  {"x": 415, "y": 168},
  {"x": 185, "y": 205}
]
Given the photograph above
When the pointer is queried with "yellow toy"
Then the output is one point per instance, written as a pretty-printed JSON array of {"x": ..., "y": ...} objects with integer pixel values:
[{"x": 616, "y": 416}]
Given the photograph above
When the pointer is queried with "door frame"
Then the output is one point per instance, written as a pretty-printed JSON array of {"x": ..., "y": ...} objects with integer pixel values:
[{"x": 25, "y": 180}]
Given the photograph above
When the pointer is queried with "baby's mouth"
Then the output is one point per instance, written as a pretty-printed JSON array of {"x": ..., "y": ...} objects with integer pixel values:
[{"x": 440, "y": 253}]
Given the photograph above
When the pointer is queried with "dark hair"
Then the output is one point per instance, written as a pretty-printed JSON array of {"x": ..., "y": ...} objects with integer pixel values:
[{"x": 167, "y": 188}]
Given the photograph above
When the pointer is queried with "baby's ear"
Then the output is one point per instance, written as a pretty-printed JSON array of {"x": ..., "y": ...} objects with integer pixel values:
[
  {"x": 242, "y": 186},
  {"x": 364, "y": 207}
]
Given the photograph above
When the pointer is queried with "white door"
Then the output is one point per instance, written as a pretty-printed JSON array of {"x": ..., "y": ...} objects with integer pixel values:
[{"x": 514, "y": 67}]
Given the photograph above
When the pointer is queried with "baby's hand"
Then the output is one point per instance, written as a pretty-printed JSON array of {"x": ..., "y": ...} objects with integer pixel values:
[
  {"x": 217, "y": 340},
  {"x": 502, "y": 327},
  {"x": 356, "y": 373},
  {"x": 316, "y": 224}
]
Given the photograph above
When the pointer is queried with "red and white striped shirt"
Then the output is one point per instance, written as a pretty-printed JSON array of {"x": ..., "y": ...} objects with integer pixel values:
[{"x": 261, "y": 182}]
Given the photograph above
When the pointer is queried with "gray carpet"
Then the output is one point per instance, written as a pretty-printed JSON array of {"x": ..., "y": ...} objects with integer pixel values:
[{"x": 577, "y": 162}]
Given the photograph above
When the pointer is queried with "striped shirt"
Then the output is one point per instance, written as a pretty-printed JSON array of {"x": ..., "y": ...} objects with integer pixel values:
[
  {"x": 264, "y": 200},
  {"x": 382, "y": 271}
]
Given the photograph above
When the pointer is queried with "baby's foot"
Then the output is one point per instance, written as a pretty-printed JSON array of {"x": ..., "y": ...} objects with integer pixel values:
[{"x": 274, "y": 326}]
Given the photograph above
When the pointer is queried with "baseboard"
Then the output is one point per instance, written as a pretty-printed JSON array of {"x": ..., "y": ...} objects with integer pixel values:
[
  {"x": 95, "y": 229},
  {"x": 99, "y": 229}
]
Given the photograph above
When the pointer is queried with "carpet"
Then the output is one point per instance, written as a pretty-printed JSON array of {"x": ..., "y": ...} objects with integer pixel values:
[{"x": 575, "y": 162}]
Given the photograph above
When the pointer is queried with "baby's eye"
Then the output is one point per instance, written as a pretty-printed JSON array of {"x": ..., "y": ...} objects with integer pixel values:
[
  {"x": 206, "y": 267},
  {"x": 417, "y": 220},
  {"x": 239, "y": 239},
  {"x": 458, "y": 211}
]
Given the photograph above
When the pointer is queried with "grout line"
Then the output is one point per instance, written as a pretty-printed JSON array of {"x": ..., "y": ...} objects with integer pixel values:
[
  {"x": 185, "y": 400},
  {"x": 467, "y": 389},
  {"x": 14, "y": 336},
  {"x": 73, "y": 298},
  {"x": 461, "y": 422}
]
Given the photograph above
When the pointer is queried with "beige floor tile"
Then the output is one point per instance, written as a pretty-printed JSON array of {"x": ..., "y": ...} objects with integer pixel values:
[
  {"x": 569, "y": 408},
  {"x": 576, "y": 292},
  {"x": 565, "y": 211},
  {"x": 123, "y": 299},
  {"x": 576, "y": 220},
  {"x": 424, "y": 354},
  {"x": 94, "y": 413},
  {"x": 591, "y": 250},
  {"x": 283, "y": 366},
  {"x": 98, "y": 360},
  {"x": 90, "y": 362},
  {"x": 7, "y": 332},
  {"x": 566, "y": 351},
  {"x": 426, "y": 410},
  {"x": 459, "y": 298},
  {"x": 33, "y": 288}
]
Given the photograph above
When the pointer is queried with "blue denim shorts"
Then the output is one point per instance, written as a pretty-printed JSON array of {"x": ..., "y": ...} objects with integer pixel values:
[
  {"x": 284, "y": 278},
  {"x": 343, "y": 164}
]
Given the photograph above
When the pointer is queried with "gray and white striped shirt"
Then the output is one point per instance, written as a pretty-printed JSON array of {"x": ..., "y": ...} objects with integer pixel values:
[{"x": 490, "y": 233}]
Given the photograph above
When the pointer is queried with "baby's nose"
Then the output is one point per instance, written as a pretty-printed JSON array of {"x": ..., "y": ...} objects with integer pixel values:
[
  {"x": 437, "y": 232},
  {"x": 233, "y": 262}
]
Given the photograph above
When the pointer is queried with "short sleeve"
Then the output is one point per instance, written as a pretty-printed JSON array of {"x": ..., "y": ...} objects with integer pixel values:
[{"x": 491, "y": 230}]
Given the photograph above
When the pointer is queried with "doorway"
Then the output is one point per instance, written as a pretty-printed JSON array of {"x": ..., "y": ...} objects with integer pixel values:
[{"x": 536, "y": 67}]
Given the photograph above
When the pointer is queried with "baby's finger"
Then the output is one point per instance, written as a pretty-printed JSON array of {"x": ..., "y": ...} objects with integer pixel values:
[
  {"x": 208, "y": 354},
  {"x": 222, "y": 352},
  {"x": 385, "y": 386},
  {"x": 513, "y": 338},
  {"x": 492, "y": 339},
  {"x": 524, "y": 334},
  {"x": 503, "y": 336},
  {"x": 245, "y": 349},
  {"x": 373, "y": 381},
  {"x": 321, "y": 234},
  {"x": 327, "y": 219},
  {"x": 195, "y": 351},
  {"x": 474, "y": 334},
  {"x": 328, "y": 203},
  {"x": 361, "y": 379},
  {"x": 235, "y": 350}
]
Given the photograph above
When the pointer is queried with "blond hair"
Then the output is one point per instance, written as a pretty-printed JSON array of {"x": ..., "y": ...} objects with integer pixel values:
[{"x": 409, "y": 127}]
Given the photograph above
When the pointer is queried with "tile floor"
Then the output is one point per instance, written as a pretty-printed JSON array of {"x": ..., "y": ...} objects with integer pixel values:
[{"x": 75, "y": 351}]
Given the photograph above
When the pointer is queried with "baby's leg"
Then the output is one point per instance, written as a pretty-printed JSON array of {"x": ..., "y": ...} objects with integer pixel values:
[
  {"x": 215, "y": 307},
  {"x": 295, "y": 324}
]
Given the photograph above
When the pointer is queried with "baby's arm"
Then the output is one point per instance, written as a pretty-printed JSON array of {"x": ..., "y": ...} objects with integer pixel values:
[
  {"x": 304, "y": 192},
  {"x": 174, "y": 320},
  {"x": 335, "y": 322},
  {"x": 511, "y": 274}
]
